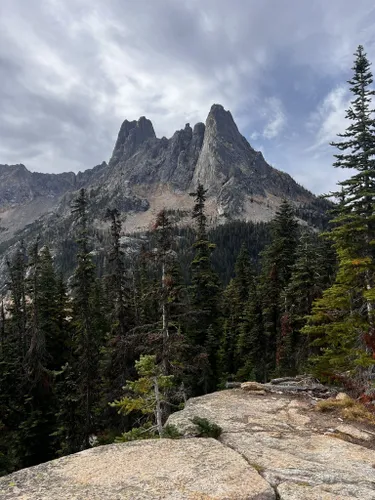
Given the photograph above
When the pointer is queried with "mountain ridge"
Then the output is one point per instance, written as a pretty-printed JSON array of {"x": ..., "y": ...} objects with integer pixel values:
[{"x": 146, "y": 174}]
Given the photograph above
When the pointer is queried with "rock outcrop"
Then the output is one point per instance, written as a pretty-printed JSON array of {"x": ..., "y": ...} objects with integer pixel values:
[
  {"x": 200, "y": 469},
  {"x": 20, "y": 186},
  {"x": 302, "y": 454},
  {"x": 272, "y": 446},
  {"x": 131, "y": 136}
]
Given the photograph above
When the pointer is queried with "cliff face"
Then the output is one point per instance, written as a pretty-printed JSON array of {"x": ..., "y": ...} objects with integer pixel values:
[
  {"x": 146, "y": 174},
  {"x": 273, "y": 445},
  {"x": 19, "y": 186},
  {"x": 215, "y": 154}
]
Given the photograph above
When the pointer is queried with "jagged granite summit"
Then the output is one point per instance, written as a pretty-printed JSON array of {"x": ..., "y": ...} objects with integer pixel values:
[
  {"x": 241, "y": 184},
  {"x": 146, "y": 174}
]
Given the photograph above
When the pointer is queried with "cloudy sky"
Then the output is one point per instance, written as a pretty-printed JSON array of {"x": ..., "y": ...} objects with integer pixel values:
[{"x": 72, "y": 70}]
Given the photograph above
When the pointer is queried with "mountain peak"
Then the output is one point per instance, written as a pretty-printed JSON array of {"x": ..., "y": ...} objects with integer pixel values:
[
  {"x": 220, "y": 122},
  {"x": 217, "y": 108},
  {"x": 130, "y": 136}
]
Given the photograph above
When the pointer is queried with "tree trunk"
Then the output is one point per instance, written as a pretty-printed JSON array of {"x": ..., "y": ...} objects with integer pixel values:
[
  {"x": 165, "y": 322},
  {"x": 158, "y": 410}
]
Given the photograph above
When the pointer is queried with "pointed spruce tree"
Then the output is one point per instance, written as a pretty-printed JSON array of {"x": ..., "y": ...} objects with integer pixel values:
[
  {"x": 234, "y": 301},
  {"x": 77, "y": 416},
  {"x": 205, "y": 291},
  {"x": 277, "y": 262},
  {"x": 343, "y": 321}
]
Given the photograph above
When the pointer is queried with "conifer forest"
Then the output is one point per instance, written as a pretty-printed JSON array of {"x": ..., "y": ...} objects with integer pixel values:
[{"x": 107, "y": 352}]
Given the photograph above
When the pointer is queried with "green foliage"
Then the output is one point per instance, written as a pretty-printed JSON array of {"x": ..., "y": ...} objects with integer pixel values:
[
  {"x": 277, "y": 262},
  {"x": 148, "y": 330},
  {"x": 206, "y": 428},
  {"x": 342, "y": 324},
  {"x": 148, "y": 394},
  {"x": 170, "y": 431},
  {"x": 204, "y": 292},
  {"x": 137, "y": 433}
]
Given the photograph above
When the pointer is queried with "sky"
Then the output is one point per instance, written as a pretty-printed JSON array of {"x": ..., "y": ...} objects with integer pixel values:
[{"x": 72, "y": 70}]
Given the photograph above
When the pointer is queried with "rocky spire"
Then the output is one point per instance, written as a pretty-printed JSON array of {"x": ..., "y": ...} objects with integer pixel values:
[
  {"x": 220, "y": 123},
  {"x": 131, "y": 135},
  {"x": 225, "y": 152}
]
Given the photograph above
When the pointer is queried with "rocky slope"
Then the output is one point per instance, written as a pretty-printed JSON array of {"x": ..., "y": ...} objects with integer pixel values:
[
  {"x": 146, "y": 174},
  {"x": 274, "y": 445}
]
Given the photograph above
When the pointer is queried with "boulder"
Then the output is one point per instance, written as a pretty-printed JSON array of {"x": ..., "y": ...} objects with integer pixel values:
[
  {"x": 289, "y": 443},
  {"x": 253, "y": 386},
  {"x": 150, "y": 469},
  {"x": 270, "y": 446},
  {"x": 342, "y": 396},
  {"x": 303, "y": 491},
  {"x": 311, "y": 459},
  {"x": 355, "y": 433}
]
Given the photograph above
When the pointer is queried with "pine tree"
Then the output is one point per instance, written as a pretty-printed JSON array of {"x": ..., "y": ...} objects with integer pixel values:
[
  {"x": 312, "y": 273},
  {"x": 31, "y": 404},
  {"x": 83, "y": 372},
  {"x": 205, "y": 285},
  {"x": 147, "y": 396},
  {"x": 38, "y": 418},
  {"x": 118, "y": 356},
  {"x": 53, "y": 306},
  {"x": 17, "y": 285},
  {"x": 165, "y": 257},
  {"x": 251, "y": 343},
  {"x": 277, "y": 262},
  {"x": 342, "y": 321},
  {"x": 12, "y": 373},
  {"x": 117, "y": 275},
  {"x": 235, "y": 299}
]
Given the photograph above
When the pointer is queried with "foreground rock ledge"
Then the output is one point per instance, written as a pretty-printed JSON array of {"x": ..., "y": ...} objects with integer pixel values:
[
  {"x": 301, "y": 453},
  {"x": 199, "y": 469}
]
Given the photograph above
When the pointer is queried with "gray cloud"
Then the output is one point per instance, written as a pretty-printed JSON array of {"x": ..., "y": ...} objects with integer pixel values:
[{"x": 72, "y": 70}]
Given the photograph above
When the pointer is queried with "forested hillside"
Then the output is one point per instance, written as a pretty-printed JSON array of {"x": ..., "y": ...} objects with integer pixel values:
[{"x": 109, "y": 351}]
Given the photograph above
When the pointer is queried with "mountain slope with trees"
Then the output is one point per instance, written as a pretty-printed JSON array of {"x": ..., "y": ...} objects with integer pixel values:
[{"x": 108, "y": 351}]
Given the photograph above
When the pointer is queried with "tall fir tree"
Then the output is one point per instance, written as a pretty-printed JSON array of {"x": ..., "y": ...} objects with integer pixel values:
[
  {"x": 312, "y": 272},
  {"x": 118, "y": 359},
  {"x": 78, "y": 418},
  {"x": 343, "y": 321},
  {"x": 205, "y": 286},
  {"x": 13, "y": 379},
  {"x": 235, "y": 299},
  {"x": 277, "y": 262},
  {"x": 251, "y": 342}
]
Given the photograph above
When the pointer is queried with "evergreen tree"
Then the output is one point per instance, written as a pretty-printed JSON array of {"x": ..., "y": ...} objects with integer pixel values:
[
  {"x": 235, "y": 299},
  {"x": 31, "y": 403},
  {"x": 83, "y": 372},
  {"x": 343, "y": 319},
  {"x": 312, "y": 272},
  {"x": 165, "y": 257},
  {"x": 205, "y": 285},
  {"x": 277, "y": 262},
  {"x": 38, "y": 419},
  {"x": 12, "y": 373},
  {"x": 251, "y": 342},
  {"x": 18, "y": 314},
  {"x": 118, "y": 357},
  {"x": 147, "y": 397}
]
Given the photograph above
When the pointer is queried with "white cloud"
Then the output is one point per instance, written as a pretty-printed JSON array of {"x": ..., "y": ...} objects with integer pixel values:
[
  {"x": 71, "y": 71},
  {"x": 274, "y": 112},
  {"x": 329, "y": 118}
]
